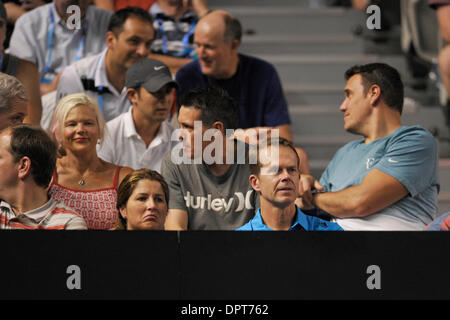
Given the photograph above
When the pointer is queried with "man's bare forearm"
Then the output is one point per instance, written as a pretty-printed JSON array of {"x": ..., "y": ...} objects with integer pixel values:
[
  {"x": 377, "y": 191},
  {"x": 343, "y": 204}
]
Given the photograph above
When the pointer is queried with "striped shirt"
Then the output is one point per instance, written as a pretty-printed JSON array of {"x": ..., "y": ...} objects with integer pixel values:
[{"x": 51, "y": 216}]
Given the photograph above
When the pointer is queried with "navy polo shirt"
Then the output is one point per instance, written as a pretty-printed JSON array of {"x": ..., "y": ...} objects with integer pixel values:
[{"x": 255, "y": 87}]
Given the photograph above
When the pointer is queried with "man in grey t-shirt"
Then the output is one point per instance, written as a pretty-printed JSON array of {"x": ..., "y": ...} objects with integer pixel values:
[{"x": 209, "y": 186}]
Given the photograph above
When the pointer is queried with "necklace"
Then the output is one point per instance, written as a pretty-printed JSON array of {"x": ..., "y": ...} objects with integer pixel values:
[{"x": 82, "y": 181}]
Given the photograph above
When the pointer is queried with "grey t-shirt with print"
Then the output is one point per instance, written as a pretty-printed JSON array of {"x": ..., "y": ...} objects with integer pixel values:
[{"x": 212, "y": 202}]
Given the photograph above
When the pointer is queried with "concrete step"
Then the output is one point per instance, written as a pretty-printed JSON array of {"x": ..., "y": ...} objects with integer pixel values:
[
  {"x": 332, "y": 94},
  {"x": 321, "y": 120},
  {"x": 444, "y": 176},
  {"x": 301, "y": 44},
  {"x": 217, "y": 4},
  {"x": 265, "y": 20},
  {"x": 444, "y": 205},
  {"x": 317, "y": 68},
  {"x": 322, "y": 146},
  {"x": 314, "y": 94}
]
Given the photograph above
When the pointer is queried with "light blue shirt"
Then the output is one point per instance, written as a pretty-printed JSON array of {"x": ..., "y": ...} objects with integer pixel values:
[
  {"x": 409, "y": 155},
  {"x": 302, "y": 222}
]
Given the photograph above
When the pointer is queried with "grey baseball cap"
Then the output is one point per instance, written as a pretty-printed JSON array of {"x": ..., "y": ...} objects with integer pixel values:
[{"x": 150, "y": 74}]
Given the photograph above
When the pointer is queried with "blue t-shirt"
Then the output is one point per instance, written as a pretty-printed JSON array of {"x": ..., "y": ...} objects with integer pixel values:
[
  {"x": 302, "y": 222},
  {"x": 255, "y": 87},
  {"x": 409, "y": 155}
]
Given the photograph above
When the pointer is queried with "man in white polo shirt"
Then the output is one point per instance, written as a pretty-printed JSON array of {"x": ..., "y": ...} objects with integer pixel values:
[
  {"x": 50, "y": 37},
  {"x": 129, "y": 38},
  {"x": 141, "y": 138}
]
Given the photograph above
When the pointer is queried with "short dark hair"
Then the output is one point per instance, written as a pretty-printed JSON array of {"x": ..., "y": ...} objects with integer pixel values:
[
  {"x": 215, "y": 105},
  {"x": 233, "y": 29},
  {"x": 128, "y": 185},
  {"x": 255, "y": 168},
  {"x": 34, "y": 143},
  {"x": 384, "y": 76},
  {"x": 119, "y": 17}
]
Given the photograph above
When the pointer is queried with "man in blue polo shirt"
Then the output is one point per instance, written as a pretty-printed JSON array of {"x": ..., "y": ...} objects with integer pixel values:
[
  {"x": 276, "y": 177},
  {"x": 386, "y": 181}
]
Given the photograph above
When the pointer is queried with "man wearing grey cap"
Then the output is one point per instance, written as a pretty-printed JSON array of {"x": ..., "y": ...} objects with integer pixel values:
[{"x": 141, "y": 137}]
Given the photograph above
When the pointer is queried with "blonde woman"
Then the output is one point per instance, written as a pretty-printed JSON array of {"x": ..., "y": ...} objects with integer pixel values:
[{"x": 82, "y": 180}]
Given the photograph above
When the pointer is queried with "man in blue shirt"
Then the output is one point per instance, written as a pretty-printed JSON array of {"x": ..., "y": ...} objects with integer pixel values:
[
  {"x": 387, "y": 180},
  {"x": 276, "y": 177}
]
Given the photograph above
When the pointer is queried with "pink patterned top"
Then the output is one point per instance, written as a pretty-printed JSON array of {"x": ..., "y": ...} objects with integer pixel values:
[{"x": 98, "y": 207}]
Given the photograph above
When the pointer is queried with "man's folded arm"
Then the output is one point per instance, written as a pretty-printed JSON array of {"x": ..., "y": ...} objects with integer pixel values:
[{"x": 377, "y": 191}]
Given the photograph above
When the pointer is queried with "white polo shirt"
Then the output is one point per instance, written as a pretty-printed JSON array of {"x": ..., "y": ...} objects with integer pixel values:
[
  {"x": 123, "y": 146},
  {"x": 89, "y": 76},
  {"x": 29, "y": 39}
]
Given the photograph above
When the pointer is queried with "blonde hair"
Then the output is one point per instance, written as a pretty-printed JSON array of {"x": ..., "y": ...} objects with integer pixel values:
[{"x": 66, "y": 104}]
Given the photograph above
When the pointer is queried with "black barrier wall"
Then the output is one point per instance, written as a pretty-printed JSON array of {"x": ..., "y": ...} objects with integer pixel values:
[{"x": 224, "y": 265}]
